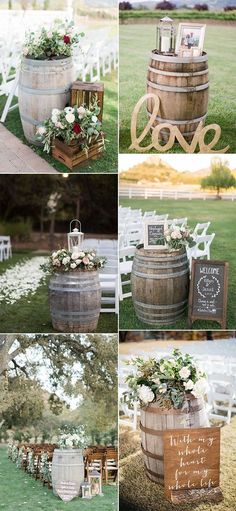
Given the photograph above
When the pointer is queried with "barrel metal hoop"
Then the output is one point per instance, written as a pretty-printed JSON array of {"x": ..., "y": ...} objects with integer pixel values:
[
  {"x": 50, "y": 92},
  {"x": 152, "y": 455},
  {"x": 75, "y": 315},
  {"x": 159, "y": 276},
  {"x": 155, "y": 432},
  {"x": 171, "y": 73},
  {"x": 171, "y": 121},
  {"x": 162, "y": 266},
  {"x": 166, "y": 259},
  {"x": 81, "y": 289},
  {"x": 157, "y": 476},
  {"x": 25, "y": 118},
  {"x": 65, "y": 61},
  {"x": 178, "y": 60},
  {"x": 178, "y": 89},
  {"x": 170, "y": 317},
  {"x": 159, "y": 307}
]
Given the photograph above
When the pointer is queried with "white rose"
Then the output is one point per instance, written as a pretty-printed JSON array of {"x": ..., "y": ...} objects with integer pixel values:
[
  {"x": 58, "y": 124},
  {"x": 188, "y": 385},
  {"x": 41, "y": 130},
  {"x": 163, "y": 388},
  {"x": 168, "y": 238},
  {"x": 55, "y": 112},
  {"x": 70, "y": 118},
  {"x": 157, "y": 381},
  {"x": 78, "y": 261},
  {"x": 184, "y": 373},
  {"x": 74, "y": 256},
  {"x": 81, "y": 254},
  {"x": 81, "y": 111},
  {"x": 56, "y": 262},
  {"x": 90, "y": 257},
  {"x": 54, "y": 254},
  {"x": 73, "y": 266},
  {"x": 65, "y": 260},
  {"x": 94, "y": 118},
  {"x": 200, "y": 388},
  {"x": 145, "y": 394}
]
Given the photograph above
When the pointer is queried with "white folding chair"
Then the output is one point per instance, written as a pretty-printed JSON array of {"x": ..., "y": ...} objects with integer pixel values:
[
  {"x": 220, "y": 396},
  {"x": 201, "y": 229},
  {"x": 199, "y": 252},
  {"x": 125, "y": 267},
  {"x": 180, "y": 222}
]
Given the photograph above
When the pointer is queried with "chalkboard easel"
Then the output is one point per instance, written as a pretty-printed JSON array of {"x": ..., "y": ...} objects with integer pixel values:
[{"x": 208, "y": 291}]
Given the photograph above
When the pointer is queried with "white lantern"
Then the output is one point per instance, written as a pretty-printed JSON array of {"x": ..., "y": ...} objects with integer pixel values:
[
  {"x": 75, "y": 237},
  {"x": 95, "y": 479},
  {"x": 165, "y": 42},
  {"x": 86, "y": 490}
]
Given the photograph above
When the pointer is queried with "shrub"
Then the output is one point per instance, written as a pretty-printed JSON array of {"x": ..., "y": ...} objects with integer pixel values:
[
  {"x": 230, "y": 8},
  {"x": 20, "y": 230},
  {"x": 125, "y": 6},
  {"x": 201, "y": 7},
  {"x": 165, "y": 6}
]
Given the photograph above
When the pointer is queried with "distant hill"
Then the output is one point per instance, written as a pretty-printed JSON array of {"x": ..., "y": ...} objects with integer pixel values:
[
  {"x": 155, "y": 170},
  {"x": 213, "y": 4}
]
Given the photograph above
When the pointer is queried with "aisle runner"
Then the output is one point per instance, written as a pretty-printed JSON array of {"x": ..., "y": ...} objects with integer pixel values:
[{"x": 21, "y": 279}]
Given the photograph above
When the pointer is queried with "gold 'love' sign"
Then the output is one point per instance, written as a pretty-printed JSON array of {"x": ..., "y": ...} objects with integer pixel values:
[{"x": 174, "y": 133}]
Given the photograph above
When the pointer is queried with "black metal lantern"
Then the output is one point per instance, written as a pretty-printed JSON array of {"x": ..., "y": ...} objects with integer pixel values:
[{"x": 165, "y": 42}]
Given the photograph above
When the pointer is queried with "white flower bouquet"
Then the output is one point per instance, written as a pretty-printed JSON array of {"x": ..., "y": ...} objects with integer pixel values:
[
  {"x": 178, "y": 237},
  {"x": 73, "y": 125},
  {"x": 72, "y": 437},
  {"x": 165, "y": 381},
  {"x": 84, "y": 260},
  {"x": 56, "y": 42}
]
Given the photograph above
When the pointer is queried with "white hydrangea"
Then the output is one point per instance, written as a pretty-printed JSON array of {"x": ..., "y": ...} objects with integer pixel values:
[
  {"x": 145, "y": 394},
  {"x": 184, "y": 373}
]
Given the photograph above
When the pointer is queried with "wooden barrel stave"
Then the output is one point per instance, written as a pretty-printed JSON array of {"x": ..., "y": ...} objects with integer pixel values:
[
  {"x": 159, "y": 284},
  {"x": 67, "y": 466},
  {"x": 182, "y": 86},
  {"x": 43, "y": 85},
  {"x": 75, "y": 301},
  {"x": 156, "y": 420}
]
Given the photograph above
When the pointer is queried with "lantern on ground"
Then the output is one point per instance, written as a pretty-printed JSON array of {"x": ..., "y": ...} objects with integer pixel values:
[
  {"x": 165, "y": 42},
  {"x": 95, "y": 479},
  {"x": 75, "y": 236},
  {"x": 86, "y": 490}
]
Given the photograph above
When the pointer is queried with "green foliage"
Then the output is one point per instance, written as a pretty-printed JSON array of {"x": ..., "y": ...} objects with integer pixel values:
[
  {"x": 140, "y": 15},
  {"x": 25, "y": 405},
  {"x": 220, "y": 177},
  {"x": 20, "y": 230},
  {"x": 58, "y": 41}
]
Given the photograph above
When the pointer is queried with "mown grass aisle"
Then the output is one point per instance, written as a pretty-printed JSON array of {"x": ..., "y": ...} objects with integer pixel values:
[
  {"x": 221, "y": 214},
  {"x": 30, "y": 312},
  {"x": 18, "y": 490}
]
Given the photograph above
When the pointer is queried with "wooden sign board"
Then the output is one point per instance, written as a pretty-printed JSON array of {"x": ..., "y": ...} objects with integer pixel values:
[
  {"x": 154, "y": 234},
  {"x": 208, "y": 291},
  {"x": 67, "y": 490},
  {"x": 84, "y": 93},
  {"x": 192, "y": 465}
]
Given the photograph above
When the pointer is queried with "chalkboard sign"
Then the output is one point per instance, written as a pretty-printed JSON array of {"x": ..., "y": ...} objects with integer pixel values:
[
  {"x": 154, "y": 234},
  {"x": 208, "y": 291},
  {"x": 192, "y": 464}
]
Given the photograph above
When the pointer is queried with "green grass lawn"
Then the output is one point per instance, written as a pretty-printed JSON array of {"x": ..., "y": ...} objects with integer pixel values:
[
  {"x": 108, "y": 162},
  {"x": 221, "y": 214},
  {"x": 19, "y": 490},
  {"x": 31, "y": 314},
  {"x": 136, "y": 42}
]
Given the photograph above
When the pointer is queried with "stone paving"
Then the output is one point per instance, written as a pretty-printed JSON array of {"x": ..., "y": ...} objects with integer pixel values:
[{"x": 18, "y": 158}]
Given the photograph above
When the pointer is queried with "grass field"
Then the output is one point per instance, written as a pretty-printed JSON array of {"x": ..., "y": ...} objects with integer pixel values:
[
  {"x": 19, "y": 490},
  {"x": 105, "y": 164},
  {"x": 31, "y": 314},
  {"x": 136, "y": 42},
  {"x": 138, "y": 493},
  {"x": 221, "y": 214}
]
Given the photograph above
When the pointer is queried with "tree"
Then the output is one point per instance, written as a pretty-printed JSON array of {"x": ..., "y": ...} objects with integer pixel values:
[
  {"x": 125, "y": 6},
  {"x": 220, "y": 177},
  {"x": 165, "y": 6},
  {"x": 9, "y": 5},
  {"x": 201, "y": 7}
]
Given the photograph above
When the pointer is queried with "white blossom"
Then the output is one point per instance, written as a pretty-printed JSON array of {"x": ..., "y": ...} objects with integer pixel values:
[
  {"x": 200, "y": 388},
  {"x": 65, "y": 260},
  {"x": 21, "y": 279},
  {"x": 184, "y": 373},
  {"x": 70, "y": 118},
  {"x": 145, "y": 394},
  {"x": 188, "y": 385}
]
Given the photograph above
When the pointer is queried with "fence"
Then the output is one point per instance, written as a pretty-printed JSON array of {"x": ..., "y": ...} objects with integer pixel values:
[{"x": 146, "y": 193}]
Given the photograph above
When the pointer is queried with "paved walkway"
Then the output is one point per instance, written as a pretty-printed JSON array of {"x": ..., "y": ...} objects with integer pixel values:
[{"x": 18, "y": 158}]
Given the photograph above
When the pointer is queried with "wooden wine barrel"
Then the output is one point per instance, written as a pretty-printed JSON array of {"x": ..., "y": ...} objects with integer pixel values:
[
  {"x": 160, "y": 285},
  {"x": 67, "y": 466},
  {"x": 156, "y": 420},
  {"x": 183, "y": 88},
  {"x": 75, "y": 301},
  {"x": 43, "y": 85}
]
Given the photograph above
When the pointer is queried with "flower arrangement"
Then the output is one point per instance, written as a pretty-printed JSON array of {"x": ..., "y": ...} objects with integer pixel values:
[
  {"x": 70, "y": 436},
  {"x": 63, "y": 260},
  {"x": 165, "y": 381},
  {"x": 73, "y": 124},
  {"x": 178, "y": 237},
  {"x": 56, "y": 42}
]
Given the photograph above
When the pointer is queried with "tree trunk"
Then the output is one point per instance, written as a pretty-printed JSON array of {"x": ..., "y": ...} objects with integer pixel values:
[
  {"x": 78, "y": 209},
  {"x": 209, "y": 335},
  {"x": 10, "y": 5},
  {"x": 41, "y": 221},
  {"x": 52, "y": 232}
]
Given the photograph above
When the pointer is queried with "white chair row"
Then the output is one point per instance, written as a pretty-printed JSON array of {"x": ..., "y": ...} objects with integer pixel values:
[{"x": 5, "y": 248}]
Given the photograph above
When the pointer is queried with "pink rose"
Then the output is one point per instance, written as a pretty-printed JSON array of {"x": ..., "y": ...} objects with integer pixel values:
[{"x": 86, "y": 260}]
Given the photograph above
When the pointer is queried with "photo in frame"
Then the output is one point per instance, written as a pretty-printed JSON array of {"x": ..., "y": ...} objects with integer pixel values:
[
  {"x": 190, "y": 39},
  {"x": 154, "y": 231}
]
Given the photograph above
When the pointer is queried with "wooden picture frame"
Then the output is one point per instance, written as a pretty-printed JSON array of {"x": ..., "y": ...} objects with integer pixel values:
[
  {"x": 192, "y": 465},
  {"x": 222, "y": 290},
  {"x": 150, "y": 234},
  {"x": 187, "y": 34}
]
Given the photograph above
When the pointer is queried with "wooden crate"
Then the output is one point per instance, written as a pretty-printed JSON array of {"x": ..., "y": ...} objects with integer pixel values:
[
  {"x": 84, "y": 93},
  {"x": 73, "y": 156}
]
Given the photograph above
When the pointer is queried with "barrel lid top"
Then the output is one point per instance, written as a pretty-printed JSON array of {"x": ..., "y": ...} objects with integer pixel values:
[
  {"x": 176, "y": 59},
  {"x": 45, "y": 62},
  {"x": 162, "y": 252}
]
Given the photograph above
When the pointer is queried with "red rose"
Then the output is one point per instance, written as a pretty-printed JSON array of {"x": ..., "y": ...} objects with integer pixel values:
[
  {"x": 77, "y": 128},
  {"x": 66, "y": 39}
]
